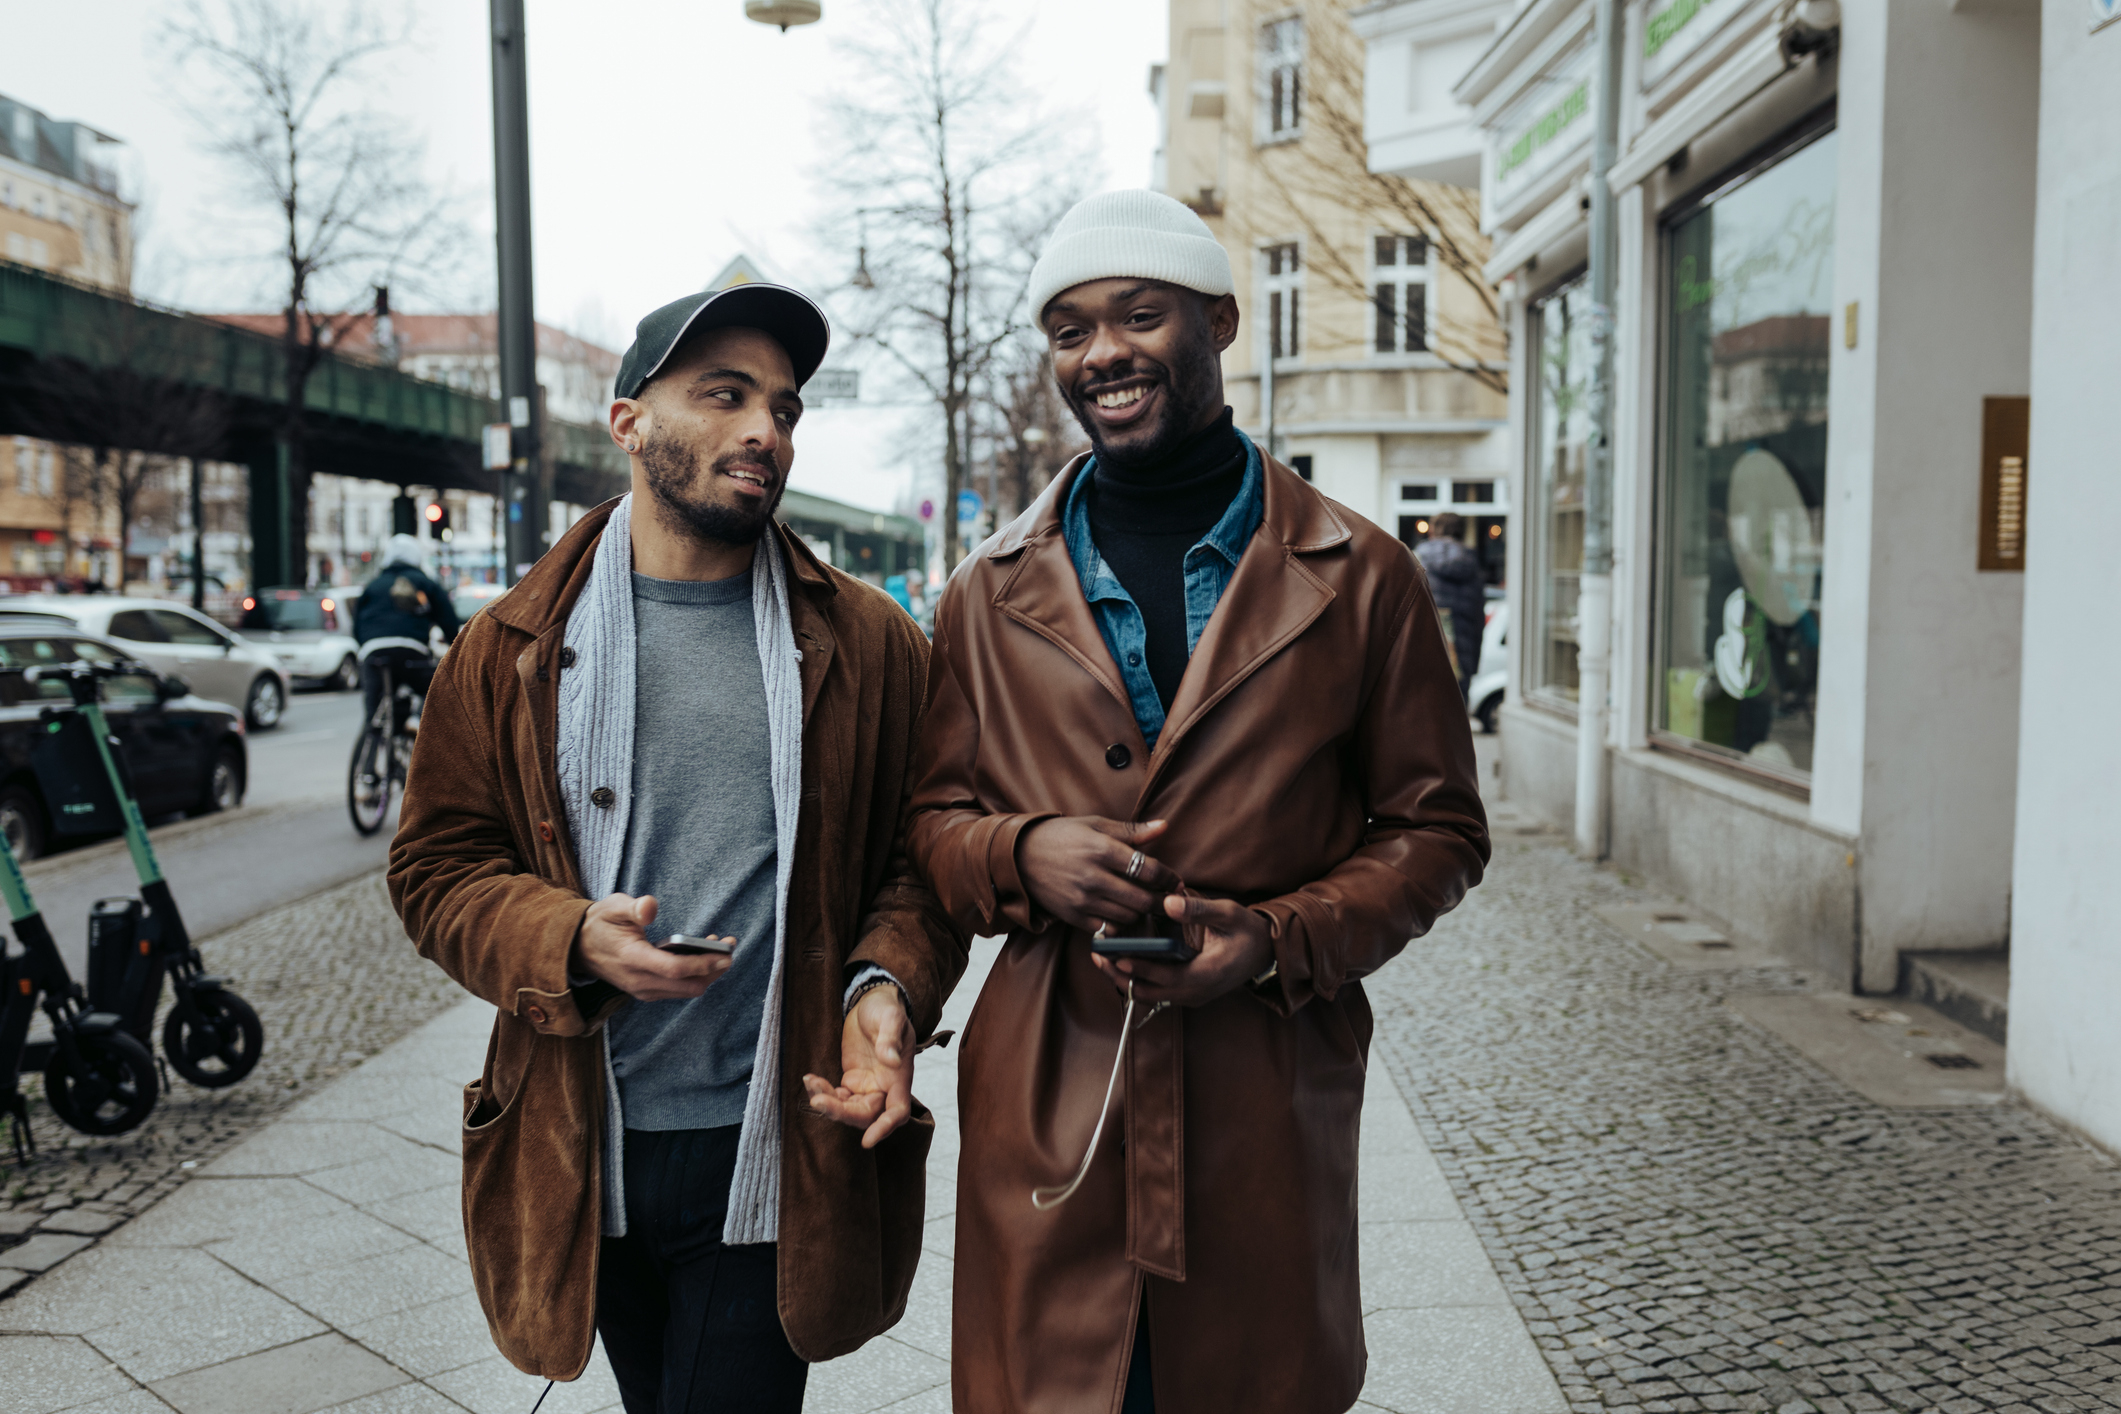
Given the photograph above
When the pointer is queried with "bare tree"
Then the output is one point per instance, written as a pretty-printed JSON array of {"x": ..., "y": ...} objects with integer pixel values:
[
  {"x": 337, "y": 185},
  {"x": 1316, "y": 182},
  {"x": 1036, "y": 435},
  {"x": 953, "y": 183}
]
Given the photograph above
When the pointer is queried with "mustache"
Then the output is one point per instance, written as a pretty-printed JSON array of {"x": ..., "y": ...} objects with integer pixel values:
[
  {"x": 734, "y": 461},
  {"x": 1134, "y": 370}
]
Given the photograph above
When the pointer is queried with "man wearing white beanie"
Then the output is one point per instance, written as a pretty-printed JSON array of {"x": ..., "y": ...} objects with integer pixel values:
[{"x": 1194, "y": 744}]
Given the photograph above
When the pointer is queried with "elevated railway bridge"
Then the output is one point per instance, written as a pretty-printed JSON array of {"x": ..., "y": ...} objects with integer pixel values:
[{"x": 63, "y": 347}]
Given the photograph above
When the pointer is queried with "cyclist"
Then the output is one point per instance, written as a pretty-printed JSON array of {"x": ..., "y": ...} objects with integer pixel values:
[{"x": 402, "y": 602}]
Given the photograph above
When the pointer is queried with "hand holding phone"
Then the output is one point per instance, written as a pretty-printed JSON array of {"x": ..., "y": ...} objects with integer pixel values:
[
  {"x": 1155, "y": 937},
  {"x": 683, "y": 946}
]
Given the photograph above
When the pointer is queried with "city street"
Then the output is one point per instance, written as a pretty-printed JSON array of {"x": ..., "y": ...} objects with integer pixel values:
[{"x": 1594, "y": 1178}]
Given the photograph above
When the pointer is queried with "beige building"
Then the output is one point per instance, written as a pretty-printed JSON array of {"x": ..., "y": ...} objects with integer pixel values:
[
  {"x": 59, "y": 205},
  {"x": 60, "y": 213},
  {"x": 1388, "y": 387}
]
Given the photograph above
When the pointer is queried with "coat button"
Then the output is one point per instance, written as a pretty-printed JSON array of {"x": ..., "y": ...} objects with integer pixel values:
[
  {"x": 567, "y": 657},
  {"x": 1134, "y": 660},
  {"x": 536, "y": 1015},
  {"x": 545, "y": 831},
  {"x": 1118, "y": 757},
  {"x": 602, "y": 797}
]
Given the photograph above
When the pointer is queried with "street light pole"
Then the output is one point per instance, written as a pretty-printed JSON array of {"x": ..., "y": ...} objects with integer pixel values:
[{"x": 523, "y": 492}]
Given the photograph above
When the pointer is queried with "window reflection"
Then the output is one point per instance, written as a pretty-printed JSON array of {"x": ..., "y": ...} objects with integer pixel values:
[
  {"x": 1749, "y": 289},
  {"x": 1561, "y": 343}
]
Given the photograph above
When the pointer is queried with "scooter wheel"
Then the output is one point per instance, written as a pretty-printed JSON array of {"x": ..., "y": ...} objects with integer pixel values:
[
  {"x": 114, "y": 1089},
  {"x": 218, "y": 1046}
]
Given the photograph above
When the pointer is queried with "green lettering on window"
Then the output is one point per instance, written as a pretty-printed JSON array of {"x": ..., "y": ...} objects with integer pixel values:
[
  {"x": 1545, "y": 130},
  {"x": 1668, "y": 22}
]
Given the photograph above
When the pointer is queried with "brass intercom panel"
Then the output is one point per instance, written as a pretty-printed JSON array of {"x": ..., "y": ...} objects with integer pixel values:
[{"x": 2005, "y": 423}]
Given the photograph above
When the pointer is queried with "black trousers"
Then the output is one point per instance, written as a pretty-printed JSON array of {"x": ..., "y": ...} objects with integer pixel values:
[
  {"x": 1140, "y": 1397},
  {"x": 690, "y": 1325},
  {"x": 405, "y": 666}
]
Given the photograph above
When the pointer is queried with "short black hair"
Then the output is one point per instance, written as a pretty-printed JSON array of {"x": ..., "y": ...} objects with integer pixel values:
[{"x": 1448, "y": 524}]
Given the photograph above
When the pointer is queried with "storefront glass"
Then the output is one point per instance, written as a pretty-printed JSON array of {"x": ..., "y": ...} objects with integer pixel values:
[
  {"x": 1749, "y": 280},
  {"x": 1561, "y": 429}
]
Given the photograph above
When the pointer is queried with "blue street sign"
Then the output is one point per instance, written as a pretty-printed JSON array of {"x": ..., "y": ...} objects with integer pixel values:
[{"x": 969, "y": 506}]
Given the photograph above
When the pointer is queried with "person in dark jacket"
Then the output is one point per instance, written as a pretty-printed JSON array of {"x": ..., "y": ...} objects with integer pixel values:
[
  {"x": 1456, "y": 580},
  {"x": 401, "y": 602}
]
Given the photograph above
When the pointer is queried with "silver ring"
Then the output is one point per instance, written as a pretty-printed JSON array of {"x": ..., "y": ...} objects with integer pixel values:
[{"x": 1134, "y": 866}]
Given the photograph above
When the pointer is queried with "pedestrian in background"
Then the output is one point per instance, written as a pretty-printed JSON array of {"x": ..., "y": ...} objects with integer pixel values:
[
  {"x": 1460, "y": 587},
  {"x": 681, "y": 723},
  {"x": 1183, "y": 680}
]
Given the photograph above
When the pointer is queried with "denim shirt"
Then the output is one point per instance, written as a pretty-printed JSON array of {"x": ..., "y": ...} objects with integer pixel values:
[{"x": 1208, "y": 568}]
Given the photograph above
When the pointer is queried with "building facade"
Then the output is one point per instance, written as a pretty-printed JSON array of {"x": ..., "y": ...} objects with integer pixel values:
[
  {"x": 60, "y": 208},
  {"x": 1370, "y": 350},
  {"x": 1840, "y": 229}
]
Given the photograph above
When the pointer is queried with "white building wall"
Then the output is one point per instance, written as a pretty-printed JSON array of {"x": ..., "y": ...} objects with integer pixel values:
[
  {"x": 1933, "y": 241},
  {"x": 2065, "y": 1048}
]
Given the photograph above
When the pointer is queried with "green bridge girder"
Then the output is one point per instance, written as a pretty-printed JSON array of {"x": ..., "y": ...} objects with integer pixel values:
[{"x": 361, "y": 419}]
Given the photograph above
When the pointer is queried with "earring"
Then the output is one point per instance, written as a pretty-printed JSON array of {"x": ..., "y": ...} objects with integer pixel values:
[{"x": 632, "y": 446}]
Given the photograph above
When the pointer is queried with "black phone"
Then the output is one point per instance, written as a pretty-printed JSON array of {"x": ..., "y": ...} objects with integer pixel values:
[
  {"x": 1157, "y": 938},
  {"x": 692, "y": 947}
]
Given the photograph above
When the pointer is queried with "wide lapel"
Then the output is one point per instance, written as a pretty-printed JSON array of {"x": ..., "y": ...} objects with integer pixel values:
[
  {"x": 1271, "y": 599},
  {"x": 1044, "y": 593},
  {"x": 811, "y": 626}
]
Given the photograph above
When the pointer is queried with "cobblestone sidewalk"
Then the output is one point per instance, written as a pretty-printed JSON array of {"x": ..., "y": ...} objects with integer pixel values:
[
  {"x": 1690, "y": 1216},
  {"x": 334, "y": 980}
]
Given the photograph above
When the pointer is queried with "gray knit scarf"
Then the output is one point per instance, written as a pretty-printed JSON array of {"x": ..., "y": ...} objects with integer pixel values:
[{"x": 596, "y": 749}]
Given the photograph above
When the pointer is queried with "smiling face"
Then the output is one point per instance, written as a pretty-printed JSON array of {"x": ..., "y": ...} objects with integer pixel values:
[
  {"x": 712, "y": 435},
  {"x": 1139, "y": 363}
]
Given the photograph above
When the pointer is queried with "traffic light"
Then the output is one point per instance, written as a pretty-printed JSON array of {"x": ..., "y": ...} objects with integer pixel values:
[{"x": 438, "y": 520}]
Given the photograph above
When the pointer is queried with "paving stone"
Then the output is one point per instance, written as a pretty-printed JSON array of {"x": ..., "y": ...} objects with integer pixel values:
[
  {"x": 39, "y": 1374},
  {"x": 86, "y": 1222},
  {"x": 42, "y": 1252},
  {"x": 1645, "y": 1168},
  {"x": 291, "y": 1379}
]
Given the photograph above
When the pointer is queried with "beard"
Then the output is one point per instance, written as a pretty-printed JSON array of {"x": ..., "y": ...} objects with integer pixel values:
[
  {"x": 683, "y": 493},
  {"x": 1191, "y": 386}
]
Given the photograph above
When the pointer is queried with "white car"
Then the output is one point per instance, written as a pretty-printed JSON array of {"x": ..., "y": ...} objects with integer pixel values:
[
  {"x": 310, "y": 632},
  {"x": 179, "y": 641},
  {"x": 1484, "y": 693}
]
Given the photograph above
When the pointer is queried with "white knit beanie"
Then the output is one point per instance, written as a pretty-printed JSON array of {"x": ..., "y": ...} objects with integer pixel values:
[{"x": 1130, "y": 234}]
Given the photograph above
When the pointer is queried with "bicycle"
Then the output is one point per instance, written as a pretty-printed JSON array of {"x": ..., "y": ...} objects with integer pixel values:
[{"x": 384, "y": 750}]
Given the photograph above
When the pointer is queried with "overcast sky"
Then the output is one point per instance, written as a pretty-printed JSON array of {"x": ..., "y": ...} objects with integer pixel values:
[{"x": 666, "y": 137}]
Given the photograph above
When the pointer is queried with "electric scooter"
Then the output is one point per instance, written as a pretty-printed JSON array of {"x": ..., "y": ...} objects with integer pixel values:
[
  {"x": 212, "y": 1036},
  {"x": 98, "y": 1078}
]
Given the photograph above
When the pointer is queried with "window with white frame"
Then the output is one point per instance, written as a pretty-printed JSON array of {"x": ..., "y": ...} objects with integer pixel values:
[
  {"x": 25, "y": 467},
  {"x": 1283, "y": 296},
  {"x": 1399, "y": 293},
  {"x": 1281, "y": 78}
]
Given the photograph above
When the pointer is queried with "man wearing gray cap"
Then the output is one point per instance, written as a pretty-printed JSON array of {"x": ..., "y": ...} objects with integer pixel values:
[
  {"x": 1194, "y": 744},
  {"x": 654, "y": 819}
]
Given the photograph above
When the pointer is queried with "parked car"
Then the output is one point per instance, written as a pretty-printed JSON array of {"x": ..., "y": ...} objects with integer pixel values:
[
  {"x": 183, "y": 752},
  {"x": 1484, "y": 694},
  {"x": 309, "y": 631},
  {"x": 175, "y": 640}
]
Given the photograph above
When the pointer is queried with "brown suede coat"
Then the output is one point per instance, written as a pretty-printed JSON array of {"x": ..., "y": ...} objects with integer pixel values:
[
  {"x": 483, "y": 873},
  {"x": 1316, "y": 764}
]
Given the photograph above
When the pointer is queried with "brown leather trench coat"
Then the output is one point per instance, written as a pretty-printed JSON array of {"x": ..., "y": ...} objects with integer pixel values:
[
  {"x": 1316, "y": 764},
  {"x": 483, "y": 872}
]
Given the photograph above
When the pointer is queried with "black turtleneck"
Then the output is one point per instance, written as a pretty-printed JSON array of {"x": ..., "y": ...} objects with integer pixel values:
[{"x": 1145, "y": 518}]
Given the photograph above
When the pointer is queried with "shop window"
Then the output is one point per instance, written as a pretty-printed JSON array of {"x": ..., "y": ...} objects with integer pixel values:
[
  {"x": 1748, "y": 289},
  {"x": 1301, "y": 466},
  {"x": 1399, "y": 294},
  {"x": 1560, "y": 441},
  {"x": 1417, "y": 490},
  {"x": 1473, "y": 493},
  {"x": 1284, "y": 299}
]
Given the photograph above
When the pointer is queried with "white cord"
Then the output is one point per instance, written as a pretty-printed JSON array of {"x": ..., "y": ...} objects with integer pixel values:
[{"x": 1046, "y": 1199}]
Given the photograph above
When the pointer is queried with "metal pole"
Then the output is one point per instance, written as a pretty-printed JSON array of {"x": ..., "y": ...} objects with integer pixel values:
[
  {"x": 1594, "y": 631},
  {"x": 520, "y": 484},
  {"x": 1266, "y": 381},
  {"x": 198, "y": 535}
]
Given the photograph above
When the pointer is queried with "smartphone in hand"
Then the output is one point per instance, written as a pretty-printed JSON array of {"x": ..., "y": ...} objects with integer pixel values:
[
  {"x": 1157, "y": 937},
  {"x": 683, "y": 946}
]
